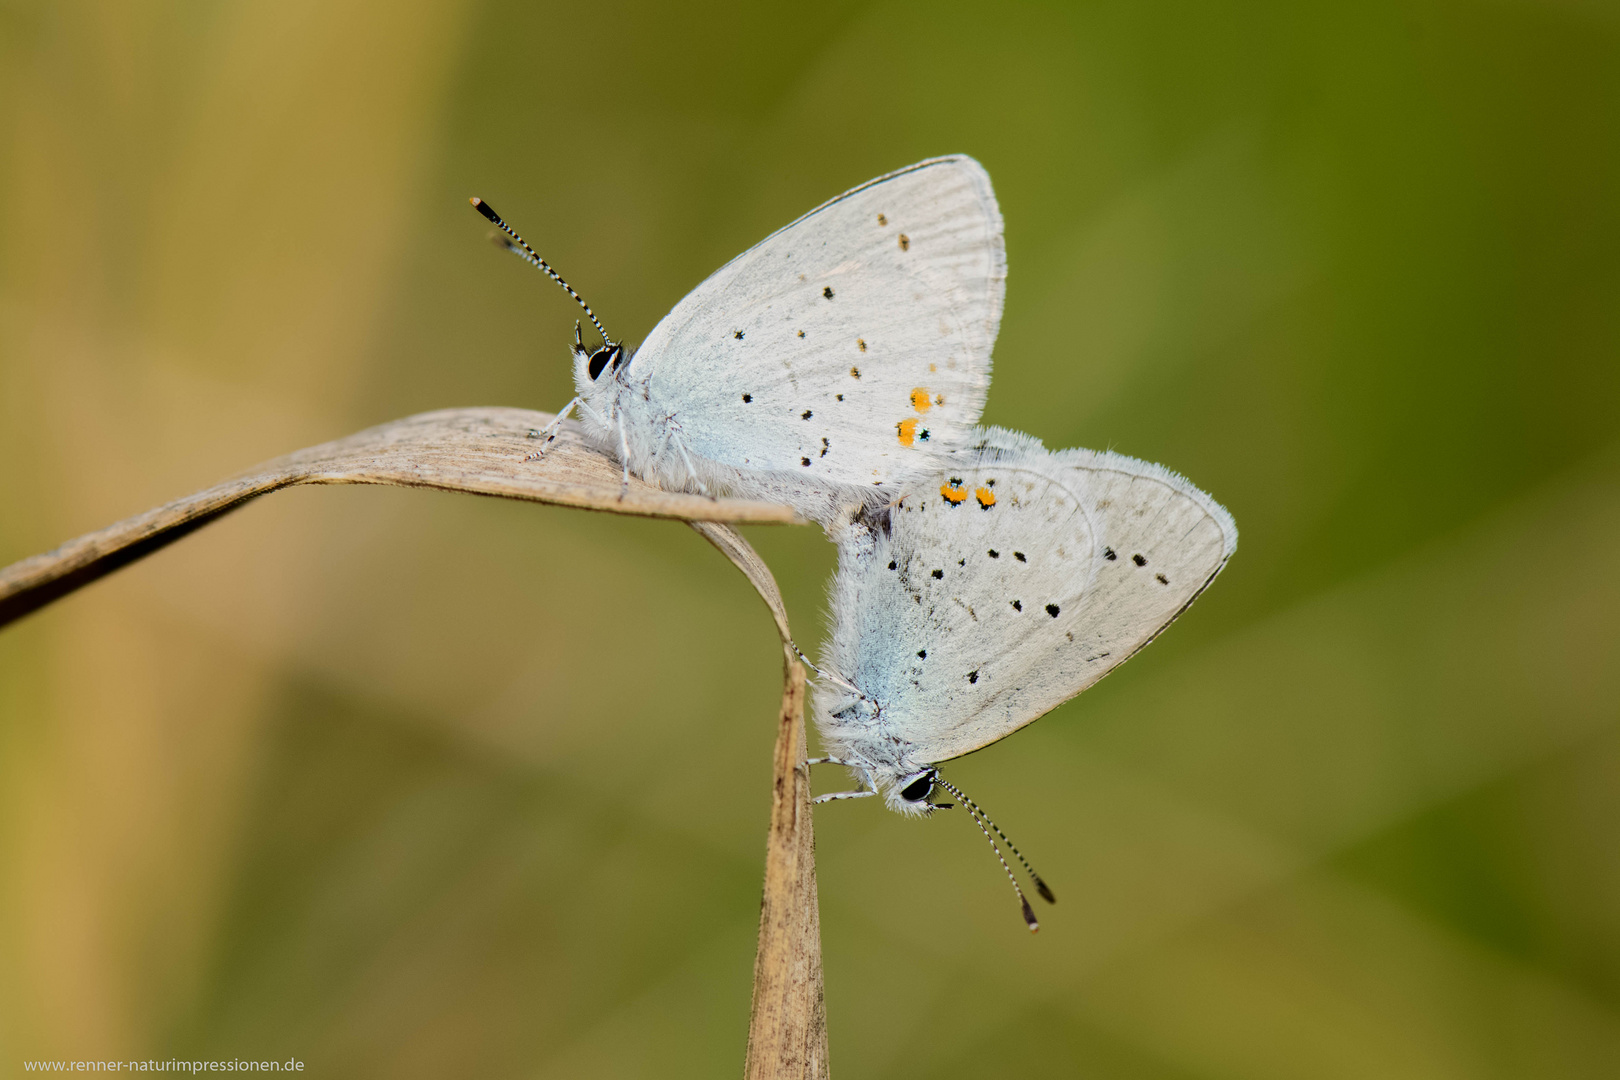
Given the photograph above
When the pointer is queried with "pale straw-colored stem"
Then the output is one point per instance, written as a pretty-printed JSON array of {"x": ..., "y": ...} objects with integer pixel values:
[{"x": 787, "y": 1030}]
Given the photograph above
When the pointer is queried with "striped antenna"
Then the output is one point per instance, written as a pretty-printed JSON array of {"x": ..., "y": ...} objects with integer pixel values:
[
  {"x": 529, "y": 255},
  {"x": 982, "y": 820}
]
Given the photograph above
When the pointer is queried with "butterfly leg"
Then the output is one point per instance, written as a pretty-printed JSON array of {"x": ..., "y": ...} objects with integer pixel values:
[
  {"x": 549, "y": 432},
  {"x": 691, "y": 473},
  {"x": 832, "y": 795},
  {"x": 828, "y": 675},
  {"x": 624, "y": 456}
]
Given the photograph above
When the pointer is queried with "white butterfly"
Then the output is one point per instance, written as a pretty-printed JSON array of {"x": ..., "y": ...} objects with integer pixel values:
[
  {"x": 993, "y": 591},
  {"x": 843, "y": 352},
  {"x": 997, "y": 589}
]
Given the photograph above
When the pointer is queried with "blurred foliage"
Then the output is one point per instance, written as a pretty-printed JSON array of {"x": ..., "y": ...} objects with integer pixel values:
[{"x": 409, "y": 785}]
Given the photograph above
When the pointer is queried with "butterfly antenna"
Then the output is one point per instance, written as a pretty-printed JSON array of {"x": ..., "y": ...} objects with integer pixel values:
[
  {"x": 522, "y": 250},
  {"x": 978, "y": 814}
]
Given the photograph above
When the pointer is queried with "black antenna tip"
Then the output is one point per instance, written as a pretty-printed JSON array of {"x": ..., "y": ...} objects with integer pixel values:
[
  {"x": 483, "y": 208},
  {"x": 1029, "y": 915},
  {"x": 1046, "y": 894}
]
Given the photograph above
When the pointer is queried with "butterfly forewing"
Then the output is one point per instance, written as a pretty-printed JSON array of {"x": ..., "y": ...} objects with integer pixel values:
[{"x": 853, "y": 344}]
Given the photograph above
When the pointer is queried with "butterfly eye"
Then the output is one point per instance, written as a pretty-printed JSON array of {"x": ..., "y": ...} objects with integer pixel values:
[
  {"x": 919, "y": 789},
  {"x": 601, "y": 357}
]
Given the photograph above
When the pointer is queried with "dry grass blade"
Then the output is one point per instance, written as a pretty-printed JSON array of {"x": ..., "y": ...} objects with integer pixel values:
[
  {"x": 482, "y": 451},
  {"x": 787, "y": 1029},
  {"x": 474, "y": 450}
]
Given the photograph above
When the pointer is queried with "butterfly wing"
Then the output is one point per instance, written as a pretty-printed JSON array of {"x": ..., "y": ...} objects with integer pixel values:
[
  {"x": 851, "y": 345},
  {"x": 1025, "y": 578}
]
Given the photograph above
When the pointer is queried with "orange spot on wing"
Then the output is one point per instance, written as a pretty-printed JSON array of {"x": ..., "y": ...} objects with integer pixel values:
[
  {"x": 908, "y": 431},
  {"x": 953, "y": 494},
  {"x": 986, "y": 497},
  {"x": 920, "y": 399}
]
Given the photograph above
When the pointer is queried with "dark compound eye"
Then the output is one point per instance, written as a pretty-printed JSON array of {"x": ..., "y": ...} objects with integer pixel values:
[
  {"x": 601, "y": 358},
  {"x": 919, "y": 789}
]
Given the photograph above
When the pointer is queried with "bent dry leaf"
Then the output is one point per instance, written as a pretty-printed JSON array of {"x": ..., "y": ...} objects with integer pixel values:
[
  {"x": 482, "y": 451},
  {"x": 479, "y": 450}
]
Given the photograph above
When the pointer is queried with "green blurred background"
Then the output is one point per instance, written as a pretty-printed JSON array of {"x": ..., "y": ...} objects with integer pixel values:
[{"x": 417, "y": 785}]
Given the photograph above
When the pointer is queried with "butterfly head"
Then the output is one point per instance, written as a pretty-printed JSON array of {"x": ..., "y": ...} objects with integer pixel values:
[
  {"x": 912, "y": 793},
  {"x": 591, "y": 364}
]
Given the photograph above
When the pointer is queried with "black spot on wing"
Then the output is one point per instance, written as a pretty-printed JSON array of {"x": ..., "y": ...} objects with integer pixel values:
[
  {"x": 1162, "y": 579},
  {"x": 738, "y": 334},
  {"x": 1108, "y": 553},
  {"x": 1052, "y": 610},
  {"x": 1019, "y": 555},
  {"x": 1139, "y": 560},
  {"x": 973, "y": 676},
  {"x": 827, "y": 292},
  {"x": 994, "y": 554},
  {"x": 805, "y": 462},
  {"x": 1018, "y": 605},
  {"x": 922, "y": 654},
  {"x": 893, "y": 565},
  {"x": 938, "y": 574},
  {"x": 747, "y": 398},
  {"x": 807, "y": 414}
]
